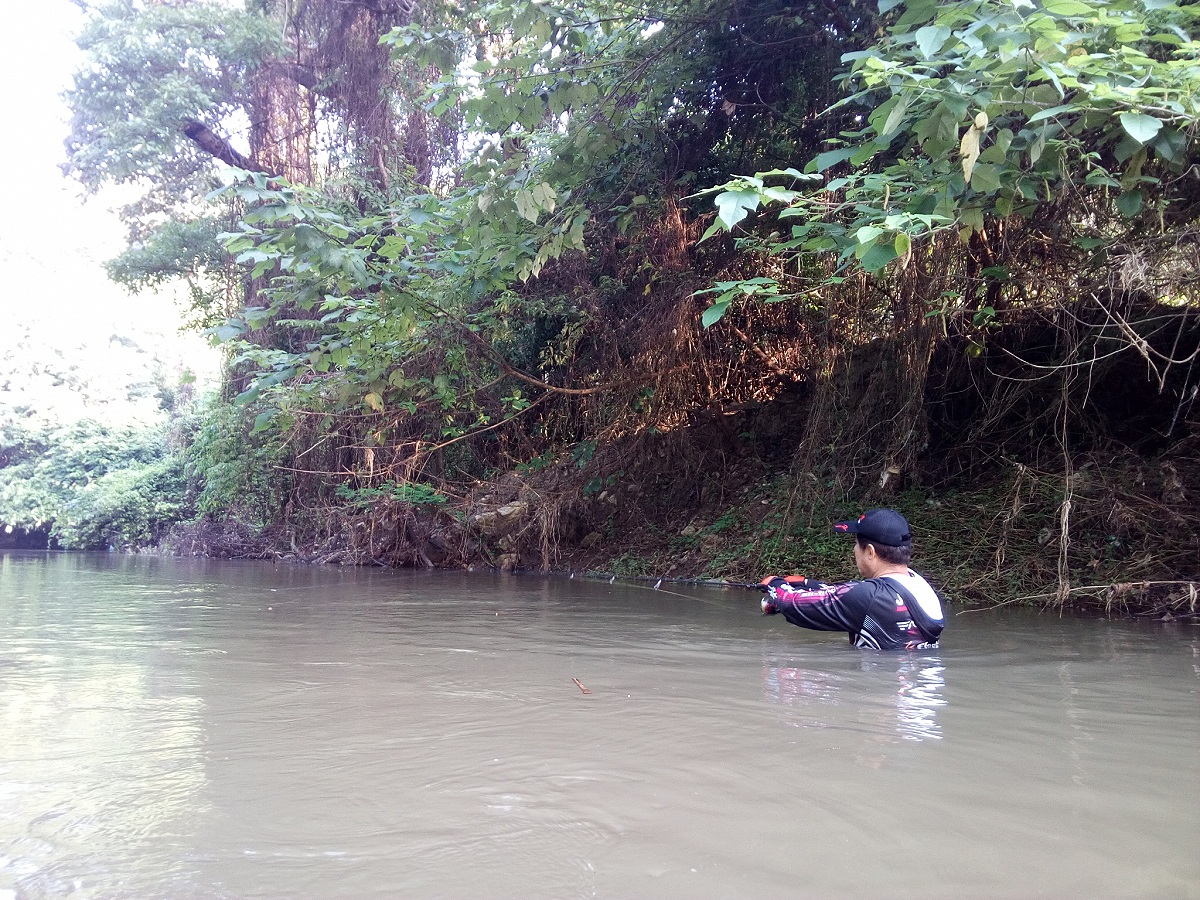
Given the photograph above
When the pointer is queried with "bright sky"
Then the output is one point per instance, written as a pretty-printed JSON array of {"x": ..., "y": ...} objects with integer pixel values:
[{"x": 55, "y": 300}]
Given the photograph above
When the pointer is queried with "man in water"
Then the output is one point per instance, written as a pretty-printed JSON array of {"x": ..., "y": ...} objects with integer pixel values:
[{"x": 893, "y": 608}]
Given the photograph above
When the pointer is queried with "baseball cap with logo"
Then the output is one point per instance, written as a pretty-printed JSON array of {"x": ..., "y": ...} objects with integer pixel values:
[{"x": 885, "y": 526}]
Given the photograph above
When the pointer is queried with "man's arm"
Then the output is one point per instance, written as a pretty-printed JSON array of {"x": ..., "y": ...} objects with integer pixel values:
[{"x": 813, "y": 604}]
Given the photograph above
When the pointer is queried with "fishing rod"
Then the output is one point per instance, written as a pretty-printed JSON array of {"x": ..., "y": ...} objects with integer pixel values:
[
  {"x": 749, "y": 585},
  {"x": 658, "y": 584}
]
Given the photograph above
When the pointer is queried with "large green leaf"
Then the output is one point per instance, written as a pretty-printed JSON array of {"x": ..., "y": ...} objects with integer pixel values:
[
  {"x": 1068, "y": 8},
  {"x": 733, "y": 206},
  {"x": 264, "y": 420},
  {"x": 878, "y": 256},
  {"x": 1052, "y": 112},
  {"x": 1141, "y": 127},
  {"x": 714, "y": 314},
  {"x": 896, "y": 116},
  {"x": 830, "y": 158},
  {"x": 931, "y": 38},
  {"x": 1130, "y": 203},
  {"x": 986, "y": 178}
]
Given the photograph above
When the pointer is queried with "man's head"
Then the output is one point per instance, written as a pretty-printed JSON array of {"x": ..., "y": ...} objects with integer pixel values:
[{"x": 883, "y": 537}]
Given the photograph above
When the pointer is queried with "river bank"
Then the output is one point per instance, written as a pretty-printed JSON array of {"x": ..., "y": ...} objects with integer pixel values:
[{"x": 1119, "y": 535}]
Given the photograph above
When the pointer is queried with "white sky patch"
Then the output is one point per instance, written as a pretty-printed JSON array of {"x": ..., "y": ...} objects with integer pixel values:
[{"x": 55, "y": 298}]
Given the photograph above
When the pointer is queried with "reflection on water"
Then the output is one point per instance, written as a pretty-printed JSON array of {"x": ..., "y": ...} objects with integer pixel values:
[
  {"x": 94, "y": 719},
  {"x": 195, "y": 729},
  {"x": 910, "y": 691}
]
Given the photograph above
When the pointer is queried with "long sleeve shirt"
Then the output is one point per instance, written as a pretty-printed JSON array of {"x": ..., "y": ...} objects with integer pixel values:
[{"x": 892, "y": 612}]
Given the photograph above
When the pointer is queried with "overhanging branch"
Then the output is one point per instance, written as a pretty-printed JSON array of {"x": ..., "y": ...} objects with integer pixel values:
[{"x": 212, "y": 144}]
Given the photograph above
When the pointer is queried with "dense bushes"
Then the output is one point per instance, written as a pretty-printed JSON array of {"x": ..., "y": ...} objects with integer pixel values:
[
  {"x": 125, "y": 508},
  {"x": 94, "y": 486}
]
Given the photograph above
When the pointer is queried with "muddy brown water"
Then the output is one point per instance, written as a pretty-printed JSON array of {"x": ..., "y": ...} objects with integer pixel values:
[{"x": 188, "y": 729}]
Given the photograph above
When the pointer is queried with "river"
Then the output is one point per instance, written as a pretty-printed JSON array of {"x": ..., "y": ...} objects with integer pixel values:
[{"x": 196, "y": 729}]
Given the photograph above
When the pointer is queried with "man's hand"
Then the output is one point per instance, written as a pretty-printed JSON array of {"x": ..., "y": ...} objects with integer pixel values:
[{"x": 768, "y": 584}]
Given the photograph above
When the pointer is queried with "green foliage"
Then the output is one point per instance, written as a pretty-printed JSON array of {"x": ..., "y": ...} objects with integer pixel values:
[
  {"x": 543, "y": 93},
  {"x": 181, "y": 250},
  {"x": 582, "y": 454},
  {"x": 977, "y": 111},
  {"x": 236, "y": 469},
  {"x": 761, "y": 287},
  {"x": 538, "y": 463},
  {"x": 104, "y": 487},
  {"x": 411, "y": 492},
  {"x": 397, "y": 300},
  {"x": 96, "y": 486},
  {"x": 599, "y": 484},
  {"x": 127, "y": 508},
  {"x": 367, "y": 295}
]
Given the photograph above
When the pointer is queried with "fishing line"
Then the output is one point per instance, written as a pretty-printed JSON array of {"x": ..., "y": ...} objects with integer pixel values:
[{"x": 658, "y": 588}]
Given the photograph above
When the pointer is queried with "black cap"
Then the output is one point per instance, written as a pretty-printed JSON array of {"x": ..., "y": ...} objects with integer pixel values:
[{"x": 884, "y": 526}]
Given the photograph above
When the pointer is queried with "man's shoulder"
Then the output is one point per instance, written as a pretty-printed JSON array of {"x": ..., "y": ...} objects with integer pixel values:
[
  {"x": 912, "y": 580},
  {"x": 920, "y": 590}
]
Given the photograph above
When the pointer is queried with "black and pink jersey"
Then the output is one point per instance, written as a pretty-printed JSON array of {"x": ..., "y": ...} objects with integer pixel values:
[{"x": 892, "y": 612}]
